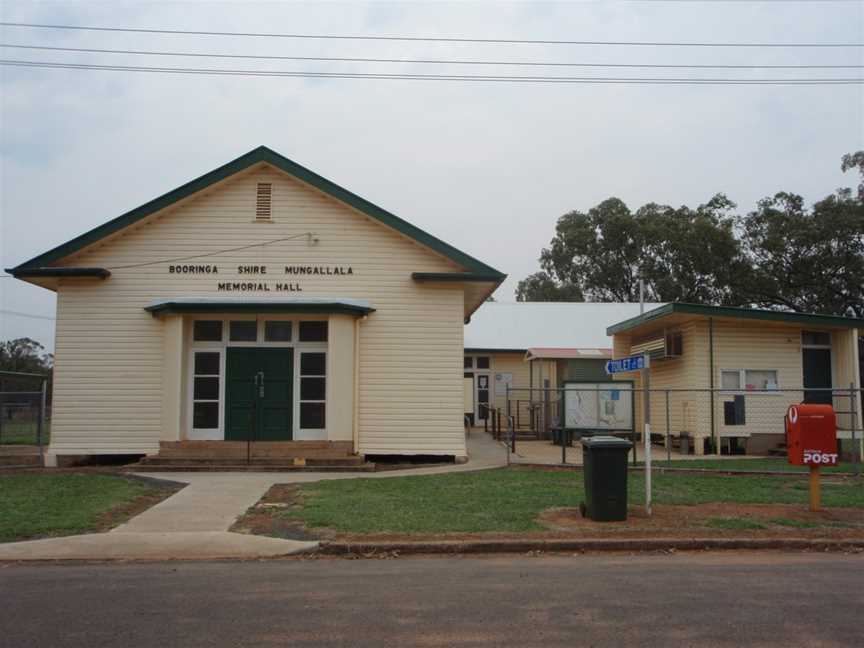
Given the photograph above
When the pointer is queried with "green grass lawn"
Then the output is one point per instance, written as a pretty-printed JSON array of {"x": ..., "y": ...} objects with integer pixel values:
[
  {"x": 509, "y": 500},
  {"x": 37, "y": 504},
  {"x": 22, "y": 433},
  {"x": 778, "y": 464}
]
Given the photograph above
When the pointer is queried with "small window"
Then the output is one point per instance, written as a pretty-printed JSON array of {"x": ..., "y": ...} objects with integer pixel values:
[
  {"x": 205, "y": 390},
  {"x": 483, "y": 362},
  {"x": 313, "y": 364},
  {"x": 205, "y": 416},
  {"x": 760, "y": 379},
  {"x": 264, "y": 202},
  {"x": 207, "y": 331},
  {"x": 816, "y": 338},
  {"x": 206, "y": 364},
  {"x": 468, "y": 362},
  {"x": 243, "y": 331},
  {"x": 313, "y": 331},
  {"x": 277, "y": 331},
  {"x": 313, "y": 390},
  {"x": 312, "y": 416},
  {"x": 730, "y": 380}
]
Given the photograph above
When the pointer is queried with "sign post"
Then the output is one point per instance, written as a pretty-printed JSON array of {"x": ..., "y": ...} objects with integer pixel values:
[{"x": 642, "y": 364}]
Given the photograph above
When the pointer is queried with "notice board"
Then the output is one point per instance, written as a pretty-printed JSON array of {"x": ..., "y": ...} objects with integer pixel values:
[{"x": 598, "y": 406}]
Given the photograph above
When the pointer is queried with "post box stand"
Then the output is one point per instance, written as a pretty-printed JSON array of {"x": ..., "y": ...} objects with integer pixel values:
[{"x": 811, "y": 440}]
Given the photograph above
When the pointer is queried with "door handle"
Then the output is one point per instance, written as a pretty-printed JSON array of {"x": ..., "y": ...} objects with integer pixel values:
[{"x": 260, "y": 384}]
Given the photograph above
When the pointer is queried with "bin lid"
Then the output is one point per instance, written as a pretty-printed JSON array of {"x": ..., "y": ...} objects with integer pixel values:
[{"x": 606, "y": 442}]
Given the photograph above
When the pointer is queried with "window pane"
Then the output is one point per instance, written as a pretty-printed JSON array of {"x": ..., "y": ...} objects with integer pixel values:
[
  {"x": 277, "y": 331},
  {"x": 312, "y": 416},
  {"x": 207, "y": 364},
  {"x": 206, "y": 388},
  {"x": 730, "y": 380},
  {"x": 760, "y": 379},
  {"x": 207, "y": 331},
  {"x": 821, "y": 338},
  {"x": 205, "y": 416},
  {"x": 313, "y": 331},
  {"x": 313, "y": 364},
  {"x": 483, "y": 362},
  {"x": 313, "y": 388},
  {"x": 468, "y": 363},
  {"x": 244, "y": 331}
]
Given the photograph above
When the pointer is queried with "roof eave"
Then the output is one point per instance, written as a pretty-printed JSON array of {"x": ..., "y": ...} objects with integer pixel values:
[
  {"x": 28, "y": 271},
  {"x": 735, "y": 313},
  {"x": 184, "y": 308}
]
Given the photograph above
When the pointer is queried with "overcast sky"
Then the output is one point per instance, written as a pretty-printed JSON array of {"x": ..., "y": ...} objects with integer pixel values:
[{"x": 486, "y": 167}]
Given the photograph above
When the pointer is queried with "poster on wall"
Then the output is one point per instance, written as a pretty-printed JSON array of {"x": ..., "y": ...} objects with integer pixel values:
[
  {"x": 502, "y": 380},
  {"x": 598, "y": 406}
]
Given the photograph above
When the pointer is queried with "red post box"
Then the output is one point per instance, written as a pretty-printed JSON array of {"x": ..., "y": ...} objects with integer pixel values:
[{"x": 811, "y": 435}]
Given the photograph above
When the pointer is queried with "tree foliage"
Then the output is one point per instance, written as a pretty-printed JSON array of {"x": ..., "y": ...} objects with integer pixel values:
[
  {"x": 26, "y": 356},
  {"x": 782, "y": 255}
]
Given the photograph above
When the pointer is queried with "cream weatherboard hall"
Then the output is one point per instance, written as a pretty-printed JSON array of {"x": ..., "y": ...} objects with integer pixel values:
[{"x": 264, "y": 303}]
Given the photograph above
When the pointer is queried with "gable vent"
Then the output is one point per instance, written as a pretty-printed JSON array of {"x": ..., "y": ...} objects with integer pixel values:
[{"x": 263, "y": 202}]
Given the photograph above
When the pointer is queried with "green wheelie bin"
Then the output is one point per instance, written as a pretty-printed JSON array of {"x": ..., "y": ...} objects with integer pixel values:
[{"x": 605, "y": 468}]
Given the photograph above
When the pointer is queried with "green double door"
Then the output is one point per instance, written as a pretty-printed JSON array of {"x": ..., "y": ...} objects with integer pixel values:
[{"x": 259, "y": 394}]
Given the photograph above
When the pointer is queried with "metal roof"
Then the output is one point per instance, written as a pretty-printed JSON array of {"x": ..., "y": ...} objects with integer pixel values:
[{"x": 519, "y": 326}]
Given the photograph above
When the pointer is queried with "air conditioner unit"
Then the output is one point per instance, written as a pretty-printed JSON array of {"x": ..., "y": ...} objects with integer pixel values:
[{"x": 667, "y": 345}]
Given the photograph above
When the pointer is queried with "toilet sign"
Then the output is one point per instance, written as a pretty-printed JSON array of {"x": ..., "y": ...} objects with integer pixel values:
[{"x": 623, "y": 365}]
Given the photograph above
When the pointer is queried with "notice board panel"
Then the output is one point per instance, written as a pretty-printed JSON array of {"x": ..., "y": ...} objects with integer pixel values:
[{"x": 598, "y": 406}]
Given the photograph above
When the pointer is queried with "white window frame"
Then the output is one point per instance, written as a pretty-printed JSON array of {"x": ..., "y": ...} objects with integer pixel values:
[
  {"x": 742, "y": 381},
  {"x": 310, "y": 434},
  {"x": 222, "y": 346},
  {"x": 206, "y": 434}
]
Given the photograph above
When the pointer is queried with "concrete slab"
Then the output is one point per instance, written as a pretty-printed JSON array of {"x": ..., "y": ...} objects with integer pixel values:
[
  {"x": 153, "y": 546},
  {"x": 210, "y": 502}
]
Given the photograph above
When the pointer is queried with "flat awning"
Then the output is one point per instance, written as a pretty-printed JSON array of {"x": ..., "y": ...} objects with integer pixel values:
[
  {"x": 308, "y": 305},
  {"x": 558, "y": 353}
]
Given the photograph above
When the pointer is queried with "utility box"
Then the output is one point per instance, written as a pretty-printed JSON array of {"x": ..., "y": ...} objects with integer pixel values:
[
  {"x": 811, "y": 435},
  {"x": 605, "y": 469}
]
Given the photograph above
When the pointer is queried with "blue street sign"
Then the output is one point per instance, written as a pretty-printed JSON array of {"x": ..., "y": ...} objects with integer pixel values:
[{"x": 621, "y": 365}]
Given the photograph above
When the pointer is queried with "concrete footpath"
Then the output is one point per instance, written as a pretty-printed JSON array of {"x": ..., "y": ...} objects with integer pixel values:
[{"x": 194, "y": 522}]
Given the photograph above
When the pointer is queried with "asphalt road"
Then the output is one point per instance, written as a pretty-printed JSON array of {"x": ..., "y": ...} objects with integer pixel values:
[{"x": 719, "y": 599}]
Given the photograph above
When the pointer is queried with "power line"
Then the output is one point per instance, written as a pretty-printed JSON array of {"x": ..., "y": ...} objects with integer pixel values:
[
  {"x": 30, "y": 315},
  {"x": 308, "y": 235},
  {"x": 436, "y": 77},
  {"x": 350, "y": 59},
  {"x": 428, "y": 39}
]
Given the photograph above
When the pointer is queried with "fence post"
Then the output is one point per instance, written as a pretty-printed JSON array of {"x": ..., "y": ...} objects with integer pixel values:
[
  {"x": 41, "y": 424},
  {"x": 856, "y": 450},
  {"x": 646, "y": 386},
  {"x": 668, "y": 431}
]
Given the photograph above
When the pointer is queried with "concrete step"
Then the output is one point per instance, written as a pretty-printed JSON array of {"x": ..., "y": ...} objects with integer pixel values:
[
  {"x": 251, "y": 467},
  {"x": 160, "y": 460}
]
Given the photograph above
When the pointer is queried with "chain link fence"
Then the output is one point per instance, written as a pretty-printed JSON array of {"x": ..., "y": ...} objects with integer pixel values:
[
  {"x": 683, "y": 422},
  {"x": 24, "y": 412}
]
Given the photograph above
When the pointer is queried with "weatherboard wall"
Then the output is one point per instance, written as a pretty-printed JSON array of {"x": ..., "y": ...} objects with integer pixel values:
[{"x": 110, "y": 377}]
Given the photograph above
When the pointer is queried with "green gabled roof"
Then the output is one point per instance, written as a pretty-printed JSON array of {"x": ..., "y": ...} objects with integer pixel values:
[
  {"x": 255, "y": 156},
  {"x": 735, "y": 312}
]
